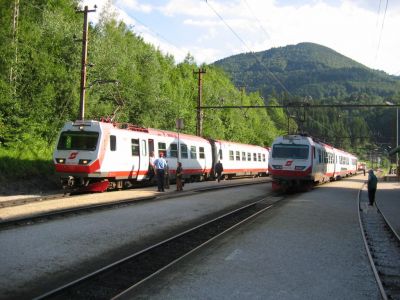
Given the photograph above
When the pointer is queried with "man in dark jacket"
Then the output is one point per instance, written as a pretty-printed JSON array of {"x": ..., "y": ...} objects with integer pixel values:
[
  {"x": 218, "y": 170},
  {"x": 372, "y": 184}
]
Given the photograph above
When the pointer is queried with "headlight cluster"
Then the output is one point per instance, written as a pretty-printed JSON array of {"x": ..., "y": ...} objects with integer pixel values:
[
  {"x": 84, "y": 161},
  {"x": 299, "y": 167},
  {"x": 60, "y": 160},
  {"x": 278, "y": 167}
]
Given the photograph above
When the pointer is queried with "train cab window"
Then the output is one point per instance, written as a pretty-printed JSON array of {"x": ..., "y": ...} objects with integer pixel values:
[
  {"x": 162, "y": 147},
  {"x": 113, "y": 143},
  {"x": 244, "y": 156},
  {"x": 173, "y": 150},
  {"x": 263, "y": 157},
  {"x": 78, "y": 140},
  {"x": 237, "y": 155},
  {"x": 248, "y": 156},
  {"x": 201, "y": 153},
  {"x": 255, "y": 156},
  {"x": 135, "y": 147},
  {"x": 259, "y": 156},
  {"x": 220, "y": 154},
  {"x": 184, "y": 151},
  {"x": 193, "y": 152},
  {"x": 231, "y": 155},
  {"x": 319, "y": 156}
]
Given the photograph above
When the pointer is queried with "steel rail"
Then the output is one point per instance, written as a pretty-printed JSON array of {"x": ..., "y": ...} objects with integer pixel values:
[
  {"x": 371, "y": 260},
  {"x": 118, "y": 264},
  {"x": 30, "y": 220}
]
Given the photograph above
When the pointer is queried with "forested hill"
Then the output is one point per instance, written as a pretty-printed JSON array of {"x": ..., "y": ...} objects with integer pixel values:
[{"x": 307, "y": 69}]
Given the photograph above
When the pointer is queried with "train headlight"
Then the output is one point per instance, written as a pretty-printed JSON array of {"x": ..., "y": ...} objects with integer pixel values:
[
  {"x": 278, "y": 167},
  {"x": 60, "y": 160},
  {"x": 84, "y": 161},
  {"x": 299, "y": 168}
]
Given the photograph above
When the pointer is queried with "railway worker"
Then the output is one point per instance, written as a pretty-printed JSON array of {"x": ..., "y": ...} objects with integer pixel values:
[
  {"x": 372, "y": 184},
  {"x": 160, "y": 164},
  {"x": 218, "y": 170},
  {"x": 179, "y": 177}
]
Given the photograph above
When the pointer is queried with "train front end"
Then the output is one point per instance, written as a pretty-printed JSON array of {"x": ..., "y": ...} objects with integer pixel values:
[
  {"x": 291, "y": 162},
  {"x": 76, "y": 157}
]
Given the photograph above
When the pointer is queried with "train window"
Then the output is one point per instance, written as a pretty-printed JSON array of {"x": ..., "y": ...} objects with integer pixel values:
[
  {"x": 220, "y": 154},
  {"x": 255, "y": 156},
  {"x": 291, "y": 151},
  {"x": 135, "y": 147},
  {"x": 244, "y": 156},
  {"x": 113, "y": 143},
  {"x": 248, "y": 156},
  {"x": 162, "y": 147},
  {"x": 201, "y": 152},
  {"x": 193, "y": 152},
  {"x": 237, "y": 155},
  {"x": 263, "y": 157},
  {"x": 173, "y": 150},
  {"x": 319, "y": 156},
  {"x": 259, "y": 156},
  {"x": 78, "y": 140},
  {"x": 144, "y": 148},
  {"x": 184, "y": 151},
  {"x": 231, "y": 156}
]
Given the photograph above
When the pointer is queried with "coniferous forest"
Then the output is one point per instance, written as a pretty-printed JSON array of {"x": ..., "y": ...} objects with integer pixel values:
[{"x": 132, "y": 81}]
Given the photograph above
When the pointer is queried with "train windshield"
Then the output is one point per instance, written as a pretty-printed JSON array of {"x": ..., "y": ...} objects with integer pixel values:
[
  {"x": 78, "y": 140},
  {"x": 290, "y": 151}
]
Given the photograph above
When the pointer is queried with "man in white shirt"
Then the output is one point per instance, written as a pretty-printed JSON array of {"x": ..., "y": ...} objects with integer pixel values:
[{"x": 160, "y": 164}]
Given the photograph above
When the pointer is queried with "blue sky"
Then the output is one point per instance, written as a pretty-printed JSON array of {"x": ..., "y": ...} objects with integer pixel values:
[{"x": 214, "y": 29}]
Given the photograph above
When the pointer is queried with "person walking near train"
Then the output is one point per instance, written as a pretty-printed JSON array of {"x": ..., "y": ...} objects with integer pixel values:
[
  {"x": 160, "y": 165},
  {"x": 179, "y": 177},
  {"x": 218, "y": 170},
  {"x": 372, "y": 185}
]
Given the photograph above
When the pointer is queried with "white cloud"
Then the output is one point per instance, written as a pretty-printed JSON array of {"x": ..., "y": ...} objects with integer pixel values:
[{"x": 345, "y": 26}]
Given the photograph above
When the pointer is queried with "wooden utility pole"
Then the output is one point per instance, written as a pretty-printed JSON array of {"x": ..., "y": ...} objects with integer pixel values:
[
  {"x": 84, "y": 61},
  {"x": 199, "y": 120},
  {"x": 13, "y": 69}
]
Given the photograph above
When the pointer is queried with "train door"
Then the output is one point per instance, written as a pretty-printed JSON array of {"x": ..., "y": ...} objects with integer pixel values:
[{"x": 144, "y": 159}]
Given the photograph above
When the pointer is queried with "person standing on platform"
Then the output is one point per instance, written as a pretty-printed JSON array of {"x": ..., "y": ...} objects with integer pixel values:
[
  {"x": 160, "y": 164},
  {"x": 372, "y": 185},
  {"x": 179, "y": 176},
  {"x": 218, "y": 170},
  {"x": 152, "y": 168}
]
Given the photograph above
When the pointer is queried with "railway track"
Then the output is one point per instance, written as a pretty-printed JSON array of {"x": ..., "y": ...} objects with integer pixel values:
[
  {"x": 66, "y": 212},
  {"x": 123, "y": 276},
  {"x": 383, "y": 248}
]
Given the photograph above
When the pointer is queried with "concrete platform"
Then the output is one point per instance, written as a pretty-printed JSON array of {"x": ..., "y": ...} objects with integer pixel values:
[
  {"x": 309, "y": 247},
  {"x": 34, "y": 208}
]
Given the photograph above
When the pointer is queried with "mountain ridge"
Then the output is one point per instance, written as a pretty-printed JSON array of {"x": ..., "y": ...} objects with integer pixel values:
[{"x": 307, "y": 69}]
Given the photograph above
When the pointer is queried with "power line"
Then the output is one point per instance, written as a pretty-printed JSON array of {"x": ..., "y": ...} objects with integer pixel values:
[
  {"x": 380, "y": 35},
  {"x": 251, "y": 52},
  {"x": 299, "y": 105},
  {"x": 261, "y": 25}
]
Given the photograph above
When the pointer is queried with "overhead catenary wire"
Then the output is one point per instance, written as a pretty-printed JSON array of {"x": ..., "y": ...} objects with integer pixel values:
[
  {"x": 271, "y": 74},
  {"x": 258, "y": 20},
  {"x": 381, "y": 31}
]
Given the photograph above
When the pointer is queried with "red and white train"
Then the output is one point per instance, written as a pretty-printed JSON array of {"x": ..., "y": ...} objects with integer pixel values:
[
  {"x": 299, "y": 161},
  {"x": 97, "y": 155}
]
